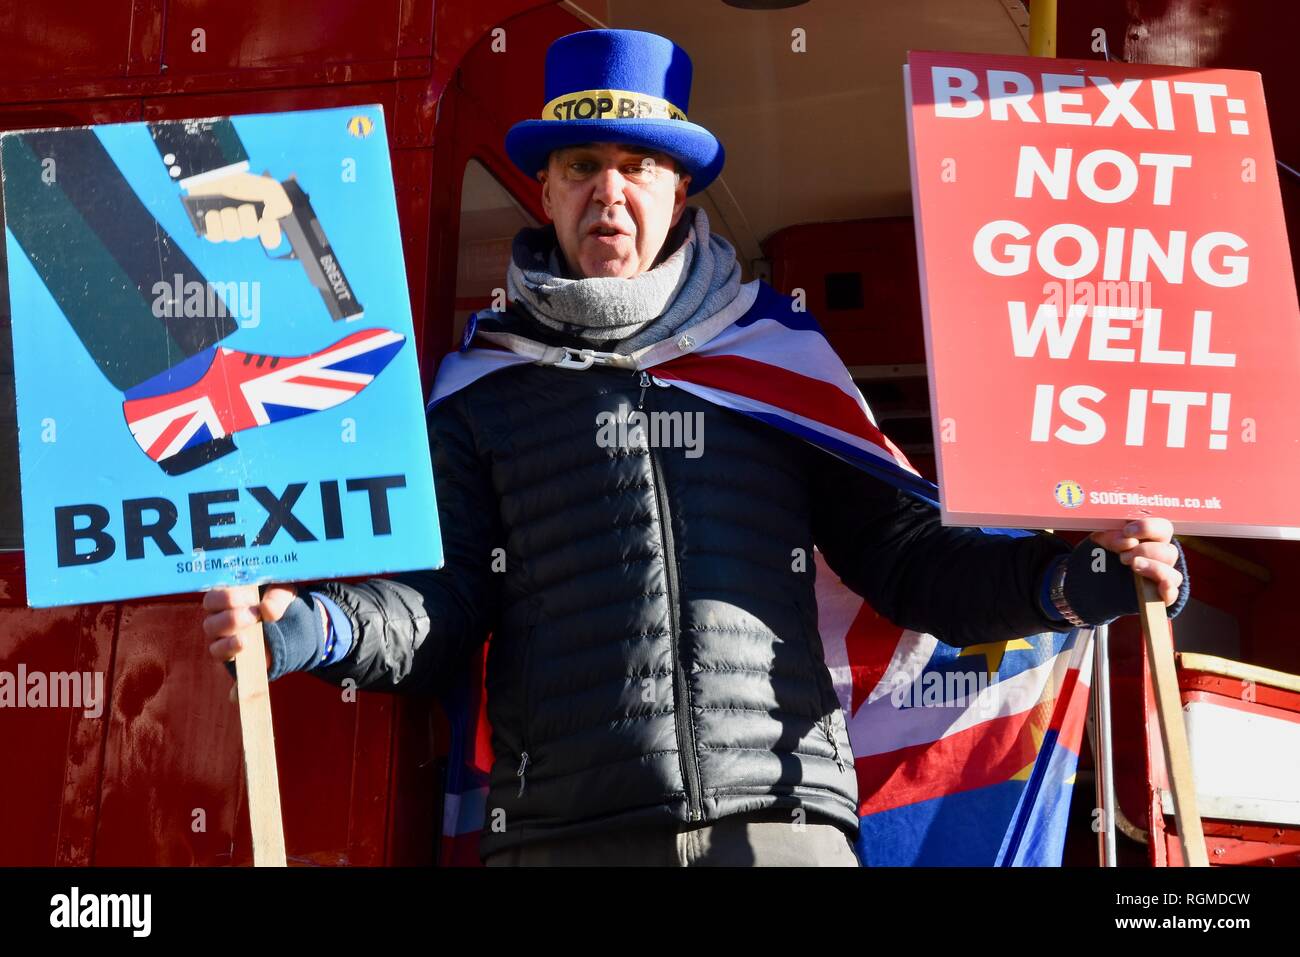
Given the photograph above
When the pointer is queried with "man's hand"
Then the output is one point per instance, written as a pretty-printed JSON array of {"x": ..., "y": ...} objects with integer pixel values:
[
  {"x": 1145, "y": 544},
  {"x": 227, "y": 616},
  {"x": 239, "y": 220}
]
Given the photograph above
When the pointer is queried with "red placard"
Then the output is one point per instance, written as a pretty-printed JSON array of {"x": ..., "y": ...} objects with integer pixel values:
[{"x": 1110, "y": 310}]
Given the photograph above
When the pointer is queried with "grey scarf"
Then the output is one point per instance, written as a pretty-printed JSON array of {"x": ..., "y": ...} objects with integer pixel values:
[{"x": 622, "y": 315}]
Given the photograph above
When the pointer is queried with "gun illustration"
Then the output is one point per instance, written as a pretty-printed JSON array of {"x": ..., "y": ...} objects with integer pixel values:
[{"x": 307, "y": 243}]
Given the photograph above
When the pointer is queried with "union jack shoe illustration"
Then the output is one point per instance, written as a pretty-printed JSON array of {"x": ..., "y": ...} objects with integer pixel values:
[{"x": 186, "y": 417}]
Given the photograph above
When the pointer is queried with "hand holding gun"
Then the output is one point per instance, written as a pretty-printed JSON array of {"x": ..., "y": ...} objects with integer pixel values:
[{"x": 244, "y": 205}]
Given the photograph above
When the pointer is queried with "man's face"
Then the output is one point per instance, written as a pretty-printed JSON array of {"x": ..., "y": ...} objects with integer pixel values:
[{"x": 611, "y": 216}]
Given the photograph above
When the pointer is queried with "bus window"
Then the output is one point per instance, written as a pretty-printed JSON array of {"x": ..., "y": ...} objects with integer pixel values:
[{"x": 489, "y": 220}]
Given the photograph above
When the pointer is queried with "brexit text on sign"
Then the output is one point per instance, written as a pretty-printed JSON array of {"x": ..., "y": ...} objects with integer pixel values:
[{"x": 1110, "y": 309}]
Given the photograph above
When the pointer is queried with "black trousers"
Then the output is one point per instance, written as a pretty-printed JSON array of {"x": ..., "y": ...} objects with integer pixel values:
[{"x": 774, "y": 838}]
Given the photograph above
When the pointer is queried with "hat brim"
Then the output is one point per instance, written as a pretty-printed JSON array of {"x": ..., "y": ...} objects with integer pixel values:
[{"x": 530, "y": 142}]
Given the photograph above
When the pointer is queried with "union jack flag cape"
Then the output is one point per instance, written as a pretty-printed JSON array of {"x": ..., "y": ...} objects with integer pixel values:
[{"x": 964, "y": 756}]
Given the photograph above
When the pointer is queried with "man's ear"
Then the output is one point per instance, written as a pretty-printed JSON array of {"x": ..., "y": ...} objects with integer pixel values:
[
  {"x": 679, "y": 197},
  {"x": 544, "y": 178}
]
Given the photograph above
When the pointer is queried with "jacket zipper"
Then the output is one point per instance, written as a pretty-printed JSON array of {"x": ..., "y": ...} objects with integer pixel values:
[
  {"x": 528, "y": 714},
  {"x": 681, "y": 688},
  {"x": 523, "y": 766},
  {"x": 819, "y": 668},
  {"x": 646, "y": 380},
  {"x": 830, "y": 736}
]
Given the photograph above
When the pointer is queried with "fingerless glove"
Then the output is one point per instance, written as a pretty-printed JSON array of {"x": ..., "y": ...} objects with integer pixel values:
[
  {"x": 1099, "y": 597},
  {"x": 300, "y": 640}
]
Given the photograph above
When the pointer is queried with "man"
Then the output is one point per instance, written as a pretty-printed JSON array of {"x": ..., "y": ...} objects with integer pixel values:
[{"x": 655, "y": 680}]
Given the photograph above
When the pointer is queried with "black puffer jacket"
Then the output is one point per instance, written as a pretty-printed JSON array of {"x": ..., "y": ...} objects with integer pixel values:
[{"x": 654, "y": 649}]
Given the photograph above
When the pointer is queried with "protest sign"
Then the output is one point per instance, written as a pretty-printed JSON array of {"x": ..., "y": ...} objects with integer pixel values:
[
  {"x": 1110, "y": 310},
  {"x": 214, "y": 355},
  {"x": 215, "y": 371}
]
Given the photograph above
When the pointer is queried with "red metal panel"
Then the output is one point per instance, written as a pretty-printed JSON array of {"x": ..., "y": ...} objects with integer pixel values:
[
  {"x": 144, "y": 56},
  {"x": 68, "y": 113},
  {"x": 412, "y": 171},
  {"x": 270, "y": 101},
  {"x": 413, "y": 119},
  {"x": 13, "y": 589},
  {"x": 173, "y": 791},
  {"x": 415, "y": 812},
  {"x": 34, "y": 749},
  {"x": 372, "y": 779},
  {"x": 79, "y": 812},
  {"x": 415, "y": 29},
  {"x": 208, "y": 36},
  {"x": 73, "y": 38},
  {"x": 1255, "y": 845},
  {"x": 528, "y": 25},
  {"x": 1201, "y": 686},
  {"x": 172, "y": 758},
  {"x": 40, "y": 90}
]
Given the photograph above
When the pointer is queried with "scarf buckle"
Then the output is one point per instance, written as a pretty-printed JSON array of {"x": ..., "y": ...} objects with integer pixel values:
[{"x": 575, "y": 358}]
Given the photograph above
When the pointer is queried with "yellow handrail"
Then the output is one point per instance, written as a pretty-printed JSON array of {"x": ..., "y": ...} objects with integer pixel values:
[{"x": 1042, "y": 28}]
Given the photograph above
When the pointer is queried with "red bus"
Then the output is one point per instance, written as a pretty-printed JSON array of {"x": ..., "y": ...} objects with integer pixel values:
[{"x": 815, "y": 196}]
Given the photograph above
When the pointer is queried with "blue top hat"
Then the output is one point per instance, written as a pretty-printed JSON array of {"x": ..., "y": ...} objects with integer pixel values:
[{"x": 618, "y": 86}]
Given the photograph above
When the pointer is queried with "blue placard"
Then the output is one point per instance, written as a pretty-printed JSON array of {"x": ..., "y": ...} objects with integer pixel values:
[{"x": 214, "y": 356}]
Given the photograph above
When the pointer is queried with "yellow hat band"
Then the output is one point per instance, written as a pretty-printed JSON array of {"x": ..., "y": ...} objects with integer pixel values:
[{"x": 610, "y": 105}]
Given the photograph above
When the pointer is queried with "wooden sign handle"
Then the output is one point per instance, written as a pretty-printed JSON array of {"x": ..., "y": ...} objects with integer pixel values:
[
  {"x": 1173, "y": 733},
  {"x": 254, "y": 691}
]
